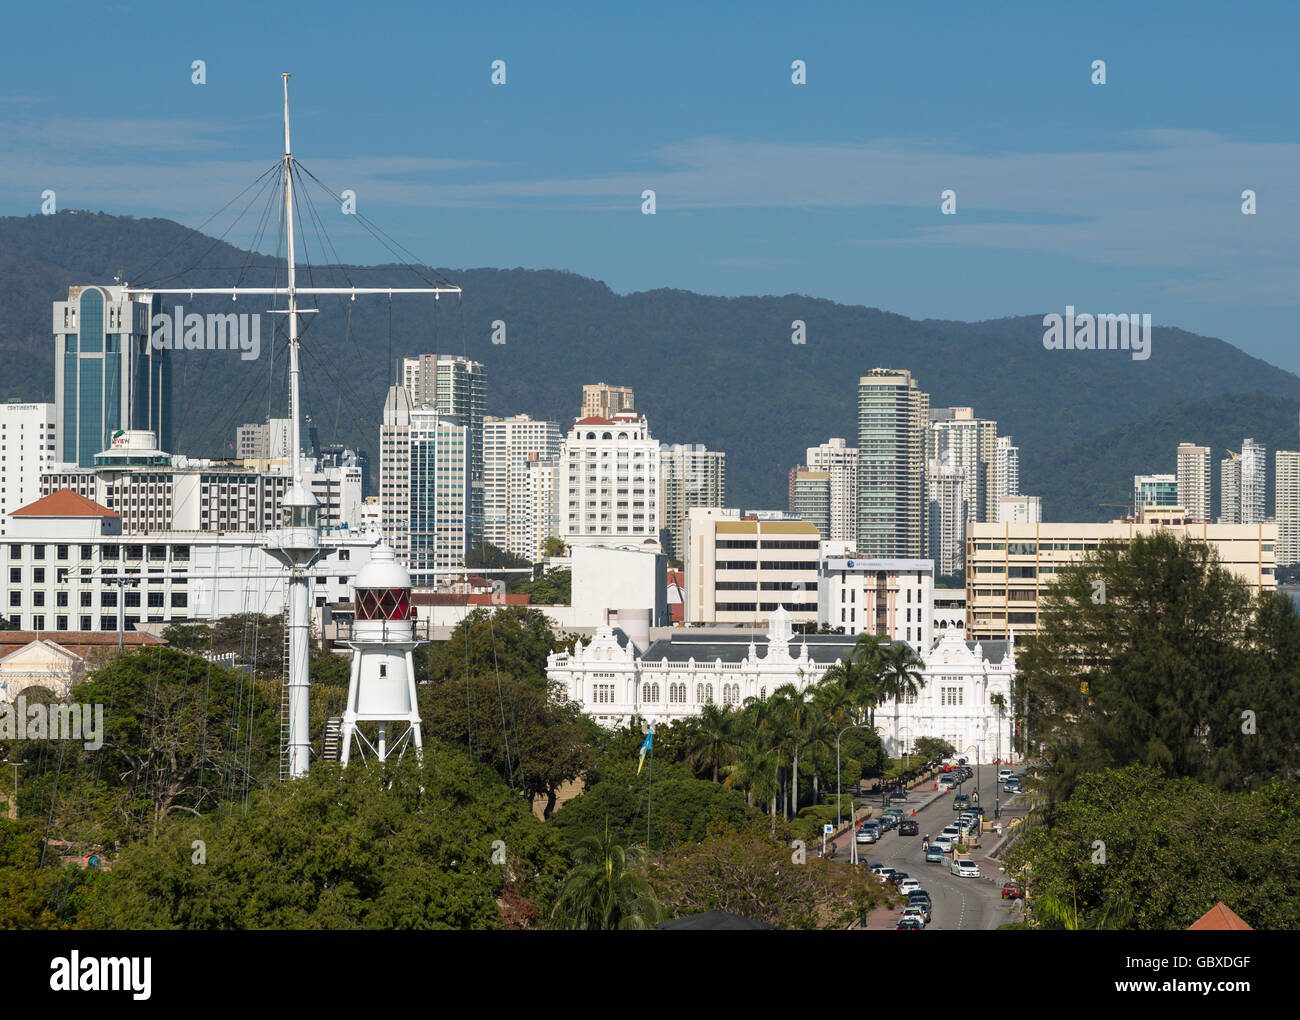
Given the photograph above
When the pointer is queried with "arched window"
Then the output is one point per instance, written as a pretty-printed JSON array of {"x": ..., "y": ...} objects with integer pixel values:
[
  {"x": 591, "y": 435},
  {"x": 730, "y": 694},
  {"x": 606, "y": 435},
  {"x": 677, "y": 693},
  {"x": 650, "y": 693},
  {"x": 704, "y": 694},
  {"x": 762, "y": 694}
]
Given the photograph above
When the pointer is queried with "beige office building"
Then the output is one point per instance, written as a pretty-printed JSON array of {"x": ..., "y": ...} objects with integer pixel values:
[
  {"x": 740, "y": 570},
  {"x": 600, "y": 400},
  {"x": 1010, "y": 566}
]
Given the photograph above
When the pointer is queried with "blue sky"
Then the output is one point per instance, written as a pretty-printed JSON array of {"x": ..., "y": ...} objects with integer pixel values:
[{"x": 1123, "y": 197}]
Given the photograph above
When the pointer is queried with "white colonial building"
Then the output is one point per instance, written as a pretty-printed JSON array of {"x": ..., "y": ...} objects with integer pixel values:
[{"x": 616, "y": 681}]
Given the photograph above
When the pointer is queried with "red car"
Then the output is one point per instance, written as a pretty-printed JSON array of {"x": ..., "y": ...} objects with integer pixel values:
[{"x": 1011, "y": 891}]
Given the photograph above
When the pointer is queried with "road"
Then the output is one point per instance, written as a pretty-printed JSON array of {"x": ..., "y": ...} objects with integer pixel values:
[{"x": 963, "y": 904}]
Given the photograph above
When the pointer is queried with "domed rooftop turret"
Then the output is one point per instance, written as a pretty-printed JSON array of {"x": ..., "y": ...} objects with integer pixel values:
[{"x": 383, "y": 587}]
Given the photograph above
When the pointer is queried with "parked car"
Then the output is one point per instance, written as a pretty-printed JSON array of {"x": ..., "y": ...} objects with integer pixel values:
[
  {"x": 886, "y": 873},
  {"x": 953, "y": 832},
  {"x": 944, "y": 843},
  {"x": 895, "y": 813},
  {"x": 898, "y": 877},
  {"x": 1004, "y": 775},
  {"x": 917, "y": 912},
  {"x": 934, "y": 854},
  {"x": 908, "y": 827},
  {"x": 867, "y": 836},
  {"x": 909, "y": 924},
  {"x": 1011, "y": 891},
  {"x": 948, "y": 779},
  {"x": 960, "y": 802},
  {"x": 908, "y": 884},
  {"x": 963, "y": 867}
]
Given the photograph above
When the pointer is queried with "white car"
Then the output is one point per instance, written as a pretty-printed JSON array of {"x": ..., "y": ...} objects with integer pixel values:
[
  {"x": 1004, "y": 775},
  {"x": 917, "y": 912},
  {"x": 943, "y": 843},
  {"x": 964, "y": 868},
  {"x": 908, "y": 884},
  {"x": 953, "y": 832}
]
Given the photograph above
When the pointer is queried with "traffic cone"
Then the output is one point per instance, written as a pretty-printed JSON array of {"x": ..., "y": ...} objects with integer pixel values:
[
  {"x": 913, "y": 812},
  {"x": 934, "y": 787}
]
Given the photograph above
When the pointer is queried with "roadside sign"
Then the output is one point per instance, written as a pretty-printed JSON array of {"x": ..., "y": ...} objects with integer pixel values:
[{"x": 828, "y": 828}]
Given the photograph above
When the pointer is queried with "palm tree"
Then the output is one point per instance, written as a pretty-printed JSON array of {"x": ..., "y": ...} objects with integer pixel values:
[
  {"x": 1115, "y": 914},
  {"x": 712, "y": 738},
  {"x": 607, "y": 889},
  {"x": 999, "y": 702},
  {"x": 901, "y": 677},
  {"x": 860, "y": 674},
  {"x": 794, "y": 710}
]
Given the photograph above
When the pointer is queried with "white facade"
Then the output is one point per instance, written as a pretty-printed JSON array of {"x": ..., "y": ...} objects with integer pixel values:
[
  {"x": 946, "y": 490},
  {"x": 509, "y": 445},
  {"x": 28, "y": 448},
  {"x": 54, "y": 569},
  {"x": 949, "y": 611},
  {"x": 891, "y": 598},
  {"x": 424, "y": 485},
  {"x": 1286, "y": 479},
  {"x": 840, "y": 461},
  {"x": 616, "y": 681},
  {"x": 609, "y": 484},
  {"x": 620, "y": 580},
  {"x": 1006, "y": 467},
  {"x": 1019, "y": 510},
  {"x": 153, "y": 491}
]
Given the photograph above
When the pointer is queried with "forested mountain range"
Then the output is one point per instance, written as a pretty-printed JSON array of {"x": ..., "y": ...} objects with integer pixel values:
[{"x": 718, "y": 371}]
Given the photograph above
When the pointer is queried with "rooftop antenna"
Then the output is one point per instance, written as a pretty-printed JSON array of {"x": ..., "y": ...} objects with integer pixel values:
[{"x": 296, "y": 543}]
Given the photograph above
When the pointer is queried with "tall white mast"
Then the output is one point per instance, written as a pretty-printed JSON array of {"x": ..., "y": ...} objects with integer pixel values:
[{"x": 296, "y": 543}]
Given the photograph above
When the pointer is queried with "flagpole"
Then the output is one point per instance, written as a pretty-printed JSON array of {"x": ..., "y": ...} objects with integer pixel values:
[{"x": 650, "y": 796}]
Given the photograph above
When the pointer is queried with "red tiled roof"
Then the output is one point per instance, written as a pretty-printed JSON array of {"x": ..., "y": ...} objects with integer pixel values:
[
  {"x": 594, "y": 421},
  {"x": 677, "y": 577},
  {"x": 678, "y": 611},
  {"x": 1219, "y": 918},
  {"x": 64, "y": 503},
  {"x": 78, "y": 642}
]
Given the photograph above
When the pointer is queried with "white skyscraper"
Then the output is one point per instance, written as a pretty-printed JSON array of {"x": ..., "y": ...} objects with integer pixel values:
[
  {"x": 1286, "y": 479},
  {"x": 1194, "y": 481},
  {"x": 29, "y": 447},
  {"x": 949, "y": 511},
  {"x": 1254, "y": 460},
  {"x": 509, "y": 444},
  {"x": 424, "y": 476},
  {"x": 1241, "y": 476},
  {"x": 1006, "y": 468},
  {"x": 609, "y": 487},
  {"x": 958, "y": 440},
  {"x": 840, "y": 461}
]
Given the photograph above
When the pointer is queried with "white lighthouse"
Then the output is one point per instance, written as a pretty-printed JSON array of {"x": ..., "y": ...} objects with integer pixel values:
[{"x": 382, "y": 688}]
